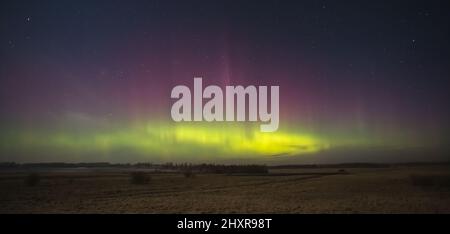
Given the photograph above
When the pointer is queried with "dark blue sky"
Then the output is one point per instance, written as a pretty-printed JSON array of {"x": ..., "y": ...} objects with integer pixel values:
[{"x": 374, "y": 66}]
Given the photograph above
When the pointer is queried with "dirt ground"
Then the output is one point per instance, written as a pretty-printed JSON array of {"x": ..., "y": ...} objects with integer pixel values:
[{"x": 381, "y": 190}]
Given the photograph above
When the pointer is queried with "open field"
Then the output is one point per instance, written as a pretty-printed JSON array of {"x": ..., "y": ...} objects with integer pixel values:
[{"x": 402, "y": 189}]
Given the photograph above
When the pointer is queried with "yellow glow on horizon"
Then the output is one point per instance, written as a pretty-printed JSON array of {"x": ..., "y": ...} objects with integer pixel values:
[{"x": 171, "y": 140}]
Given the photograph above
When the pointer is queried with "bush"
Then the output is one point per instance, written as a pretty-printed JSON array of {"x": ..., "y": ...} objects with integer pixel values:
[
  {"x": 434, "y": 181},
  {"x": 139, "y": 177},
  {"x": 188, "y": 174},
  {"x": 32, "y": 179},
  {"x": 342, "y": 171}
]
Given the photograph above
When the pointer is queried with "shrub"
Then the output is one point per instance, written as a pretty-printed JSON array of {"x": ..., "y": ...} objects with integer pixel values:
[
  {"x": 342, "y": 171},
  {"x": 188, "y": 174},
  {"x": 139, "y": 177},
  {"x": 435, "y": 181},
  {"x": 32, "y": 179}
]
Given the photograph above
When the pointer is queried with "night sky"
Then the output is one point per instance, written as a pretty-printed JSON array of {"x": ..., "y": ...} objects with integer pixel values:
[{"x": 91, "y": 80}]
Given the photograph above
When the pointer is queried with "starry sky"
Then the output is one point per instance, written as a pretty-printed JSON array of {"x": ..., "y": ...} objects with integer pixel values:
[{"x": 91, "y": 80}]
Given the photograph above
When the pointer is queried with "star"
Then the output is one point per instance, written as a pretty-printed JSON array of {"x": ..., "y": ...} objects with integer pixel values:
[{"x": 11, "y": 44}]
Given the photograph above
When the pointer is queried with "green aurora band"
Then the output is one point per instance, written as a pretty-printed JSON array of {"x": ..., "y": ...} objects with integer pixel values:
[{"x": 185, "y": 141}]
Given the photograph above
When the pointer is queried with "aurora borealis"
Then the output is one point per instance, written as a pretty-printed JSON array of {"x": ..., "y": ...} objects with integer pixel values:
[{"x": 91, "y": 81}]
